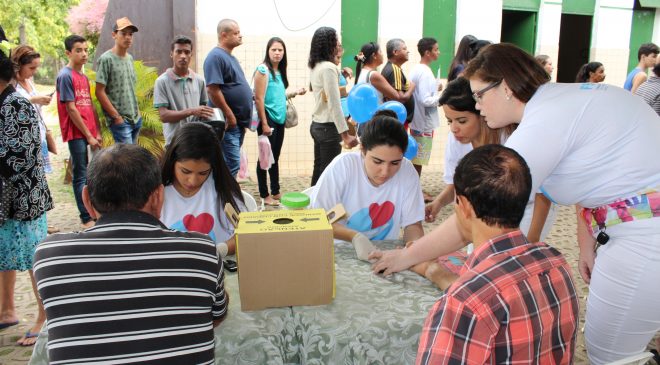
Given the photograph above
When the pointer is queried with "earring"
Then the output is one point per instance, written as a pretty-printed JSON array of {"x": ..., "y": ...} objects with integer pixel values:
[{"x": 508, "y": 96}]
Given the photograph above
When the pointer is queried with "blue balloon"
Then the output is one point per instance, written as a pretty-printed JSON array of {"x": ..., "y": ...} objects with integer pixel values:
[
  {"x": 396, "y": 107},
  {"x": 411, "y": 151},
  {"x": 362, "y": 102}
]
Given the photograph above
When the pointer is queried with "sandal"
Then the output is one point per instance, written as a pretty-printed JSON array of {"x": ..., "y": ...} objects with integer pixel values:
[{"x": 26, "y": 336}]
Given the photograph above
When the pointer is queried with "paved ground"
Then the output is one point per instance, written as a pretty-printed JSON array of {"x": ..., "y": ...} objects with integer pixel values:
[{"x": 65, "y": 217}]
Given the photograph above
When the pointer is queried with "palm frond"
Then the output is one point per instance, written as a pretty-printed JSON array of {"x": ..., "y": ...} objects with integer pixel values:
[{"x": 151, "y": 134}]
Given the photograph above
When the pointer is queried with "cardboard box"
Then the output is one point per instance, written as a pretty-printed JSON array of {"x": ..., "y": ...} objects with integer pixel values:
[{"x": 285, "y": 258}]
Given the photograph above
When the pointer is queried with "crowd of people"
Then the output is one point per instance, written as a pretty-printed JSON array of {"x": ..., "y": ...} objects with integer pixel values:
[{"x": 154, "y": 231}]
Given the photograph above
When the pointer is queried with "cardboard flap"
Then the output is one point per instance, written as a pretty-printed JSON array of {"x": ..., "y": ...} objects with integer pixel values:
[
  {"x": 336, "y": 213},
  {"x": 232, "y": 215}
]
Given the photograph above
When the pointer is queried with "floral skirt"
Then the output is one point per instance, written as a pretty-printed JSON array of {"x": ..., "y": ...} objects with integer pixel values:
[{"x": 18, "y": 240}]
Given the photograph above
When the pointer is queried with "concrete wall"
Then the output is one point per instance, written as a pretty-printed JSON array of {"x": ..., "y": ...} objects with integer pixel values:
[{"x": 298, "y": 20}]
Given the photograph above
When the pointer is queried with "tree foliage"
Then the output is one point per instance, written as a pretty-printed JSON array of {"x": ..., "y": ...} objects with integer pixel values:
[
  {"x": 86, "y": 19},
  {"x": 43, "y": 23}
]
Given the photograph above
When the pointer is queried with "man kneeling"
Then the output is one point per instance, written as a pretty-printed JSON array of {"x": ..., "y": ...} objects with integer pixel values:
[
  {"x": 129, "y": 289},
  {"x": 514, "y": 301}
]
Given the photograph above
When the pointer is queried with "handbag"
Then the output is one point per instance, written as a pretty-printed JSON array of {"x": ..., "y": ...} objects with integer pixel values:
[
  {"x": 291, "y": 115},
  {"x": 50, "y": 140},
  {"x": 6, "y": 198}
]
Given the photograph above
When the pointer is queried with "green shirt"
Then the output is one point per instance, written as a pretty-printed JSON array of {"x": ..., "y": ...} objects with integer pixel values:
[
  {"x": 118, "y": 76},
  {"x": 275, "y": 98}
]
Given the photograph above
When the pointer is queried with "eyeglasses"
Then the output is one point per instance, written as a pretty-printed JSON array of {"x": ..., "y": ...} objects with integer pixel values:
[{"x": 477, "y": 95}]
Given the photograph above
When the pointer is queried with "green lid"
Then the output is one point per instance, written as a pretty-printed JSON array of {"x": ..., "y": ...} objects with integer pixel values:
[{"x": 295, "y": 200}]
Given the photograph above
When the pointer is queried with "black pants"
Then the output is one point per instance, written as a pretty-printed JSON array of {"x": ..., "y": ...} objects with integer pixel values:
[
  {"x": 326, "y": 146},
  {"x": 276, "y": 141}
]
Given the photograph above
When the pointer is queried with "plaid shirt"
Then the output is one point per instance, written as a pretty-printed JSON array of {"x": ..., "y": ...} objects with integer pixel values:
[{"x": 514, "y": 302}]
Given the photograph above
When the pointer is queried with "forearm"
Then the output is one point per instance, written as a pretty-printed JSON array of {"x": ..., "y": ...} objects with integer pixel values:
[
  {"x": 446, "y": 238},
  {"x": 413, "y": 232},
  {"x": 445, "y": 197},
  {"x": 341, "y": 232},
  {"x": 539, "y": 216},
  {"x": 216, "y": 97},
  {"x": 105, "y": 101},
  {"x": 586, "y": 241},
  {"x": 261, "y": 109},
  {"x": 173, "y": 116}
]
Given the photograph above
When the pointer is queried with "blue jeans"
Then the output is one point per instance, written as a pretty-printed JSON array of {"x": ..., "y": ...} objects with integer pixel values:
[
  {"x": 78, "y": 152},
  {"x": 126, "y": 132},
  {"x": 231, "y": 148}
]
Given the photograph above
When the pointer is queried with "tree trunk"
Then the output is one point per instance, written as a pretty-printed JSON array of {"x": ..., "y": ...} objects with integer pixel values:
[{"x": 21, "y": 32}]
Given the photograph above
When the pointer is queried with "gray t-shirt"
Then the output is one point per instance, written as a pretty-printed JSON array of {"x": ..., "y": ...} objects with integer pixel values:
[
  {"x": 118, "y": 76},
  {"x": 178, "y": 93}
]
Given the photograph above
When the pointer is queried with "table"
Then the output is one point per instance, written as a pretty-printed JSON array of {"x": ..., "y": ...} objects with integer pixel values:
[{"x": 372, "y": 320}]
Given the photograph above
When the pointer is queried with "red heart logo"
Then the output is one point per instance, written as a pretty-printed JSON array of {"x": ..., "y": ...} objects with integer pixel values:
[
  {"x": 380, "y": 213},
  {"x": 203, "y": 223}
]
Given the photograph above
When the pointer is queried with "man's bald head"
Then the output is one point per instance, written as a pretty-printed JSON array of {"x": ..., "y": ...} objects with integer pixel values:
[{"x": 226, "y": 25}]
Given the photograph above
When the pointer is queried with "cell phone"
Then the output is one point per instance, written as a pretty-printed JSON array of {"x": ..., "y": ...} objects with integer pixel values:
[
  {"x": 51, "y": 94},
  {"x": 230, "y": 265}
]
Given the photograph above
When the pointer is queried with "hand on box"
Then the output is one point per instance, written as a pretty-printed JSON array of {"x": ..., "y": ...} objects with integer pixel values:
[{"x": 363, "y": 246}]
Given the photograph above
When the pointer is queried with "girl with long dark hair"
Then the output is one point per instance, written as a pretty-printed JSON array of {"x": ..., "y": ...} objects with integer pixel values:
[
  {"x": 270, "y": 97},
  {"x": 198, "y": 184}
]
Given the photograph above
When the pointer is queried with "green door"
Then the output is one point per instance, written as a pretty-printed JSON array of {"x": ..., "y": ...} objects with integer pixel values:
[
  {"x": 359, "y": 25},
  {"x": 640, "y": 32},
  {"x": 519, "y": 28}
]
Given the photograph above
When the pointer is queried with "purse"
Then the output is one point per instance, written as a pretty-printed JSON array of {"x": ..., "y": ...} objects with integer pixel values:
[
  {"x": 50, "y": 140},
  {"x": 291, "y": 115}
]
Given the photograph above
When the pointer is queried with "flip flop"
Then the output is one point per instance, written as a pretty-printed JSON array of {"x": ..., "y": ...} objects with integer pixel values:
[
  {"x": 273, "y": 204},
  {"x": 27, "y": 335},
  {"x": 7, "y": 324}
]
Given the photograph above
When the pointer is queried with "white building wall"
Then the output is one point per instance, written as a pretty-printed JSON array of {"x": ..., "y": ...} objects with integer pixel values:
[
  {"x": 547, "y": 36},
  {"x": 298, "y": 20},
  {"x": 610, "y": 38},
  {"x": 482, "y": 19},
  {"x": 259, "y": 22}
]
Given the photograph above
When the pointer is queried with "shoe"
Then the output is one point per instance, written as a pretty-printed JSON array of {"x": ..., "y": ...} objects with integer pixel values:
[
  {"x": 52, "y": 229},
  {"x": 7, "y": 324},
  {"x": 272, "y": 202},
  {"x": 26, "y": 336}
]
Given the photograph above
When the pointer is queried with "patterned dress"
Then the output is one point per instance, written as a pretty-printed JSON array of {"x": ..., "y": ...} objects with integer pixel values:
[{"x": 21, "y": 162}]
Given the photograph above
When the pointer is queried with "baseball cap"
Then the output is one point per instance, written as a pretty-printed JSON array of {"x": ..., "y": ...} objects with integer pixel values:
[{"x": 123, "y": 23}]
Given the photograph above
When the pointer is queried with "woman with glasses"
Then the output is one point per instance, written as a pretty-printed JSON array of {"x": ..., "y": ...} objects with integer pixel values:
[
  {"x": 593, "y": 146},
  {"x": 468, "y": 131}
]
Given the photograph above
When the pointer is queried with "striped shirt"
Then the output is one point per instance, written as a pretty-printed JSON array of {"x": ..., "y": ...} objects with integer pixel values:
[
  {"x": 130, "y": 290},
  {"x": 649, "y": 90},
  {"x": 514, "y": 302}
]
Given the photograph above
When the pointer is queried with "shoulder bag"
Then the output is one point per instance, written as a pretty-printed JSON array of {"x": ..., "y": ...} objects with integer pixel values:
[{"x": 291, "y": 115}]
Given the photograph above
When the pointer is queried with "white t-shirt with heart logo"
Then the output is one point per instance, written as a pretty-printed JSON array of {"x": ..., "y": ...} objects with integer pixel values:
[
  {"x": 198, "y": 213},
  {"x": 378, "y": 212}
]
